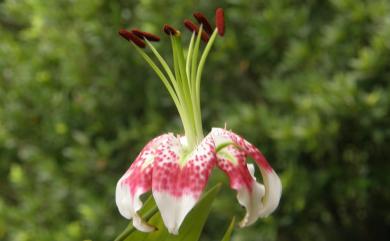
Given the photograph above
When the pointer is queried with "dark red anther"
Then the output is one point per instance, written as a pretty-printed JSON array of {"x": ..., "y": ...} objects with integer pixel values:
[
  {"x": 131, "y": 37},
  {"x": 125, "y": 34},
  {"x": 203, "y": 20},
  {"x": 194, "y": 28},
  {"x": 149, "y": 36},
  {"x": 220, "y": 21},
  {"x": 168, "y": 29}
]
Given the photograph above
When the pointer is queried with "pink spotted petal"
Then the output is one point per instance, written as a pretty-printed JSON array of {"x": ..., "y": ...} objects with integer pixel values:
[
  {"x": 179, "y": 177},
  {"x": 259, "y": 202},
  {"x": 137, "y": 181}
]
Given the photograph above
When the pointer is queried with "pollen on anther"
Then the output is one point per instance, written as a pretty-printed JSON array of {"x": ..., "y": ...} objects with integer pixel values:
[
  {"x": 194, "y": 28},
  {"x": 125, "y": 34},
  {"x": 168, "y": 29},
  {"x": 220, "y": 21},
  {"x": 149, "y": 36},
  {"x": 131, "y": 37},
  {"x": 203, "y": 20}
]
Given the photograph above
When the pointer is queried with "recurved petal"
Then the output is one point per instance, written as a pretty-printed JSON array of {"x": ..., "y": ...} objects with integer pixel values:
[
  {"x": 179, "y": 178},
  {"x": 230, "y": 143},
  {"x": 232, "y": 161},
  {"x": 137, "y": 181}
]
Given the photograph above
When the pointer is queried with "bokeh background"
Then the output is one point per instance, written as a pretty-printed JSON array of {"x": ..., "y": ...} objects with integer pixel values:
[{"x": 308, "y": 81}]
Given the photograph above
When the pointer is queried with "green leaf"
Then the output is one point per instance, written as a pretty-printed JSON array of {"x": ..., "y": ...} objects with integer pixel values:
[
  {"x": 191, "y": 228},
  {"x": 229, "y": 231}
]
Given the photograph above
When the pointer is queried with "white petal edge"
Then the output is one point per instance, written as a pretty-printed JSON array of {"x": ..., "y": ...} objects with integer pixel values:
[
  {"x": 128, "y": 205},
  {"x": 273, "y": 192},
  {"x": 263, "y": 199},
  {"x": 173, "y": 209},
  {"x": 251, "y": 200}
]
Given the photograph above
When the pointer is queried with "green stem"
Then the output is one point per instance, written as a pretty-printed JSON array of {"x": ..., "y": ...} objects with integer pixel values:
[{"x": 130, "y": 228}]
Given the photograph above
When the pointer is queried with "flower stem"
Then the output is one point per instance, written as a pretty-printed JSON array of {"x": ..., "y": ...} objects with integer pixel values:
[{"x": 130, "y": 228}]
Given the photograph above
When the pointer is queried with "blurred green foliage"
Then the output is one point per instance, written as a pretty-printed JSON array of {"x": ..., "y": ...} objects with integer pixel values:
[{"x": 307, "y": 81}]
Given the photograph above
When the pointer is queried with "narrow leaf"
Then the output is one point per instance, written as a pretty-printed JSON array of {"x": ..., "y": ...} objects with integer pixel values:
[{"x": 229, "y": 231}]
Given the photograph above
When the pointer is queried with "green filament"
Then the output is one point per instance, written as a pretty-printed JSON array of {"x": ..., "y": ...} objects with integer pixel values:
[{"x": 183, "y": 83}]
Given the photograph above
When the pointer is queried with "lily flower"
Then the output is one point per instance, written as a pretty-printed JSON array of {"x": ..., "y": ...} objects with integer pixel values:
[{"x": 176, "y": 168}]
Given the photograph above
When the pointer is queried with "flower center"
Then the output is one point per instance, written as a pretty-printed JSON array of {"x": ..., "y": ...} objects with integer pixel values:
[{"x": 183, "y": 83}]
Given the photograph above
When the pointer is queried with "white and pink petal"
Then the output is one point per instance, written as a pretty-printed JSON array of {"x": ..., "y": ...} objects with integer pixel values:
[
  {"x": 259, "y": 200},
  {"x": 179, "y": 177},
  {"x": 136, "y": 181},
  {"x": 232, "y": 161}
]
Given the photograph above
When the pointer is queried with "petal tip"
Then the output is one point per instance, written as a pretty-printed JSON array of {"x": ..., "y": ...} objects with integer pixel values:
[
  {"x": 122, "y": 198},
  {"x": 173, "y": 209},
  {"x": 141, "y": 225},
  {"x": 273, "y": 187}
]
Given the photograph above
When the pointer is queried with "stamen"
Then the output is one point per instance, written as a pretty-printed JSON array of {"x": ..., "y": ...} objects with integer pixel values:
[
  {"x": 220, "y": 21},
  {"x": 131, "y": 37},
  {"x": 149, "y": 36},
  {"x": 168, "y": 29},
  {"x": 203, "y": 20},
  {"x": 183, "y": 83},
  {"x": 194, "y": 28}
]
